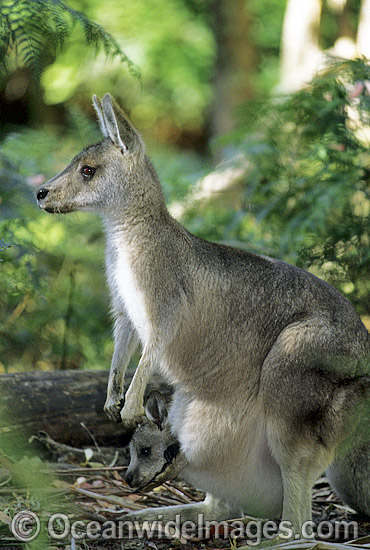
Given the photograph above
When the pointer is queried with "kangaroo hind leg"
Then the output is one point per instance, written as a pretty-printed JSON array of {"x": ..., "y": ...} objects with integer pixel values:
[{"x": 306, "y": 411}]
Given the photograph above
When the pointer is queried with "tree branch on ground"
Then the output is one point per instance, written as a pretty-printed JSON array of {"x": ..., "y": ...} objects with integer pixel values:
[{"x": 227, "y": 176}]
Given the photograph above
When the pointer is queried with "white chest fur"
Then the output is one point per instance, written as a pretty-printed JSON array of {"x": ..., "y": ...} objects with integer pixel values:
[{"x": 123, "y": 278}]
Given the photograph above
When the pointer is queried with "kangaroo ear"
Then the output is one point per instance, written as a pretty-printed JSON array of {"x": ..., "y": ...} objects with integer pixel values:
[
  {"x": 156, "y": 409},
  {"x": 171, "y": 452},
  {"x": 119, "y": 128},
  {"x": 99, "y": 113}
]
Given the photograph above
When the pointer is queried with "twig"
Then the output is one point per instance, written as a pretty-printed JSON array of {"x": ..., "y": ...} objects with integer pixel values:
[
  {"x": 227, "y": 175},
  {"x": 87, "y": 470},
  {"x": 180, "y": 495},
  {"x": 91, "y": 435},
  {"x": 124, "y": 503}
]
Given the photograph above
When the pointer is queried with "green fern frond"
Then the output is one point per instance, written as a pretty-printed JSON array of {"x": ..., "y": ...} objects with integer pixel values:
[{"x": 30, "y": 29}]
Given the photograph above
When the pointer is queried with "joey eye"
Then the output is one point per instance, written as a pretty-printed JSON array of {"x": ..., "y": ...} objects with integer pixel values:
[
  {"x": 87, "y": 172},
  {"x": 145, "y": 451}
]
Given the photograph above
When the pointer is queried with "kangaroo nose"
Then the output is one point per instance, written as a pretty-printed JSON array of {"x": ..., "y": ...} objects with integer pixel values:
[
  {"x": 129, "y": 479},
  {"x": 42, "y": 194}
]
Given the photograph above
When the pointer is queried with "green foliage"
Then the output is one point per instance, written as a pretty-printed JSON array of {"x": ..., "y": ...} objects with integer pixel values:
[
  {"x": 332, "y": 20},
  {"x": 309, "y": 192},
  {"x": 26, "y": 483},
  {"x": 44, "y": 297},
  {"x": 53, "y": 312},
  {"x": 34, "y": 30},
  {"x": 266, "y": 31},
  {"x": 178, "y": 170},
  {"x": 171, "y": 42}
]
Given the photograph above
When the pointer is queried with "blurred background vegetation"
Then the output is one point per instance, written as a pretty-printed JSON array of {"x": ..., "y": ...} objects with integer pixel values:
[{"x": 206, "y": 81}]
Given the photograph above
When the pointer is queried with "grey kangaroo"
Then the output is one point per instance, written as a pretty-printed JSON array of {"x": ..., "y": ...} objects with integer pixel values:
[
  {"x": 155, "y": 457},
  {"x": 270, "y": 364}
]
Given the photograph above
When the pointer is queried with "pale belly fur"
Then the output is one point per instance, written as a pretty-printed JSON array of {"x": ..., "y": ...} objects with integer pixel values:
[
  {"x": 131, "y": 296},
  {"x": 228, "y": 456}
]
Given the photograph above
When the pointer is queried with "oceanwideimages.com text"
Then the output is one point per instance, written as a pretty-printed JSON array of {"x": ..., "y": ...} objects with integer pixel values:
[{"x": 26, "y": 526}]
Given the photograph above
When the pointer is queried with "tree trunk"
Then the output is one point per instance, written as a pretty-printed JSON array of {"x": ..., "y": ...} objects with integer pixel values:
[
  {"x": 300, "y": 52},
  {"x": 363, "y": 30},
  {"x": 67, "y": 405},
  {"x": 235, "y": 62}
]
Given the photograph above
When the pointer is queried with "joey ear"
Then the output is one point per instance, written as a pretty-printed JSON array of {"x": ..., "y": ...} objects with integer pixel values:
[
  {"x": 156, "y": 409},
  {"x": 119, "y": 128},
  {"x": 99, "y": 113},
  {"x": 171, "y": 452}
]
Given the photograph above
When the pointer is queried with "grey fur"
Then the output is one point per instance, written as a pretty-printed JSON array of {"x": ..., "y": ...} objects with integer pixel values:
[{"x": 270, "y": 364}]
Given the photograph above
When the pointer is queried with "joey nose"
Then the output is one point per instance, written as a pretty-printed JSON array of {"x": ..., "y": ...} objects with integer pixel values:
[
  {"x": 129, "y": 479},
  {"x": 41, "y": 194}
]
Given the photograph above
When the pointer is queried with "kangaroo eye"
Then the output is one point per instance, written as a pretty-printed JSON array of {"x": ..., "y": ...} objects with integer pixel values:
[
  {"x": 145, "y": 451},
  {"x": 87, "y": 172}
]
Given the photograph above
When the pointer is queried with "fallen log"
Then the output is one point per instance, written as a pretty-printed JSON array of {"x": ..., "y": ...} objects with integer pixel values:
[
  {"x": 67, "y": 405},
  {"x": 65, "y": 456}
]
